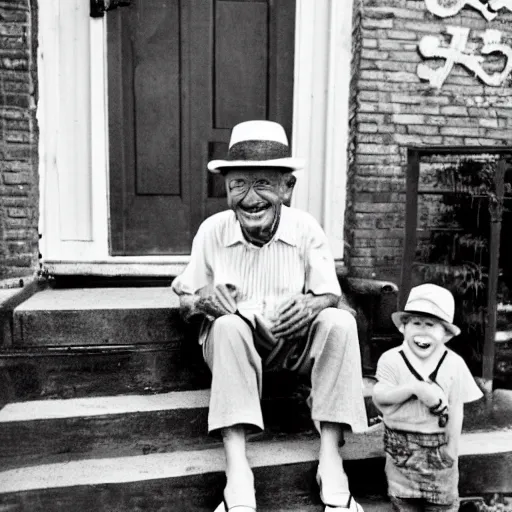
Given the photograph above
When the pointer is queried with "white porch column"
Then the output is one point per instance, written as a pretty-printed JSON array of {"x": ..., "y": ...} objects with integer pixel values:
[{"x": 323, "y": 55}]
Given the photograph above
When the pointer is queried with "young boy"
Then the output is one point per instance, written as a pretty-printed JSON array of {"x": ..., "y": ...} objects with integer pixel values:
[{"x": 421, "y": 390}]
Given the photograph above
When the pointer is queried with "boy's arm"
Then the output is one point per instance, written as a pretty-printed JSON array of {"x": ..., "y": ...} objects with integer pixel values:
[
  {"x": 385, "y": 393},
  {"x": 388, "y": 390},
  {"x": 456, "y": 411},
  {"x": 454, "y": 428}
]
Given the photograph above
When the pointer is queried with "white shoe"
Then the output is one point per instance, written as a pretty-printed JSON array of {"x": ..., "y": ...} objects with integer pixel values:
[
  {"x": 332, "y": 499},
  {"x": 223, "y": 507},
  {"x": 236, "y": 508},
  {"x": 352, "y": 506}
]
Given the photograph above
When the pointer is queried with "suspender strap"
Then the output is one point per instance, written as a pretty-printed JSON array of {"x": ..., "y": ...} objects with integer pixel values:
[
  {"x": 410, "y": 366},
  {"x": 433, "y": 375},
  {"x": 437, "y": 410}
]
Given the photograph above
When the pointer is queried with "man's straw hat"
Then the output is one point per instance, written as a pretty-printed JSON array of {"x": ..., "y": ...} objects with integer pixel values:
[{"x": 258, "y": 144}]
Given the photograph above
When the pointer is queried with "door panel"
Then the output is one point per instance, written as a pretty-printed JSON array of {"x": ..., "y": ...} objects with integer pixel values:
[
  {"x": 149, "y": 202},
  {"x": 241, "y": 62},
  {"x": 156, "y": 91},
  {"x": 181, "y": 74}
]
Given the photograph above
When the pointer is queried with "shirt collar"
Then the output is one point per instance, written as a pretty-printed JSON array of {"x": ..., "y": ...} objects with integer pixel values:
[{"x": 285, "y": 231}]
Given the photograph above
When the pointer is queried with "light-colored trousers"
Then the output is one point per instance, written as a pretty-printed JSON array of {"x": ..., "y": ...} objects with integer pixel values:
[{"x": 334, "y": 363}]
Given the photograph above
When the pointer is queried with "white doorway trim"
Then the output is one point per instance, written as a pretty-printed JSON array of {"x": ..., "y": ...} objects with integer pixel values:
[
  {"x": 74, "y": 175},
  {"x": 323, "y": 55}
]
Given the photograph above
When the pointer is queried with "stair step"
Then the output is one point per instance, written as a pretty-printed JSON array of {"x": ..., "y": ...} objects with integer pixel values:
[
  {"x": 121, "y": 425},
  {"x": 180, "y": 481},
  {"x": 98, "y": 316},
  {"x": 127, "y": 425},
  {"x": 124, "y": 425},
  {"x": 193, "y": 480},
  {"x": 372, "y": 504},
  {"x": 65, "y": 372}
]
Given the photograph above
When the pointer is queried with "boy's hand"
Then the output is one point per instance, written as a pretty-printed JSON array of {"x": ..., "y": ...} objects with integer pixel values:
[{"x": 430, "y": 394}]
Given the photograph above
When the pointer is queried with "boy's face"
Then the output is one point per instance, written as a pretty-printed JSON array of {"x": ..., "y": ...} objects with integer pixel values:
[{"x": 424, "y": 335}]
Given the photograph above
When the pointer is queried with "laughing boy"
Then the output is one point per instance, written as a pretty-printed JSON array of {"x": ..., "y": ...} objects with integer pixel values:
[{"x": 421, "y": 390}]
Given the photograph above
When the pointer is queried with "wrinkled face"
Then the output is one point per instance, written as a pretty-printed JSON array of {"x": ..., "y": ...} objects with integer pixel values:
[
  {"x": 424, "y": 335},
  {"x": 256, "y": 196}
]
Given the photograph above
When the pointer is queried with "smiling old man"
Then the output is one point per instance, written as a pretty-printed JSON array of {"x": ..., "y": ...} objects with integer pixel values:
[{"x": 262, "y": 276}]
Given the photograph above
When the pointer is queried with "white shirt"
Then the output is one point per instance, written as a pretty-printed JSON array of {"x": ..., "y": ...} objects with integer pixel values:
[
  {"x": 296, "y": 260},
  {"x": 412, "y": 415}
]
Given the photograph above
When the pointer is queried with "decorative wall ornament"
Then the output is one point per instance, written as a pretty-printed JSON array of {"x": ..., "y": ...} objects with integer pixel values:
[
  {"x": 430, "y": 48},
  {"x": 488, "y": 8}
]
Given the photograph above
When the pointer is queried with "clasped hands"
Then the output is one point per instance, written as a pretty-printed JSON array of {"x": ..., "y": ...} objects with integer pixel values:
[
  {"x": 432, "y": 396},
  {"x": 292, "y": 318}
]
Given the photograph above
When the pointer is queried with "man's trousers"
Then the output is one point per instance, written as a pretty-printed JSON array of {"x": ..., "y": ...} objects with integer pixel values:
[{"x": 334, "y": 365}]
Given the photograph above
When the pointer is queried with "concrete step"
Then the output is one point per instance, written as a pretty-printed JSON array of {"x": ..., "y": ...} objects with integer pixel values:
[
  {"x": 99, "y": 316},
  {"x": 63, "y": 430},
  {"x": 370, "y": 504},
  {"x": 183, "y": 481},
  {"x": 193, "y": 480},
  {"x": 70, "y": 429},
  {"x": 136, "y": 424},
  {"x": 99, "y": 341},
  {"x": 65, "y": 372}
]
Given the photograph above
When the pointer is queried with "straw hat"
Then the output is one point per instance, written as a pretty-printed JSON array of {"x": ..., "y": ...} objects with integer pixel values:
[
  {"x": 258, "y": 144},
  {"x": 431, "y": 300}
]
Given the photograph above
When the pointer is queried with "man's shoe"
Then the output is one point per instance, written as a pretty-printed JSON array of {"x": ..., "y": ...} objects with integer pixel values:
[
  {"x": 337, "y": 501},
  {"x": 223, "y": 507},
  {"x": 240, "y": 505}
]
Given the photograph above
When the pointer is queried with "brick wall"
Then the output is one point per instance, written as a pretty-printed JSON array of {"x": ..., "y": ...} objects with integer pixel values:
[
  {"x": 19, "y": 137},
  {"x": 393, "y": 109}
]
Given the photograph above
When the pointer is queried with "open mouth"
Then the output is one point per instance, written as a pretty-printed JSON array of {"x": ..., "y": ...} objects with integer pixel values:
[
  {"x": 255, "y": 211},
  {"x": 423, "y": 345}
]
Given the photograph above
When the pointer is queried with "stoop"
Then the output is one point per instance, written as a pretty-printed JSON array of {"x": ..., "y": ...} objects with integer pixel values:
[{"x": 107, "y": 407}]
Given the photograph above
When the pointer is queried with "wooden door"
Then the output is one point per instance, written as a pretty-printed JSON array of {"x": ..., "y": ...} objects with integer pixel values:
[{"x": 181, "y": 74}]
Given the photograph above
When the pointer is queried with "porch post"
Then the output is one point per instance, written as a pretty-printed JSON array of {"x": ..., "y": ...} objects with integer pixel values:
[
  {"x": 323, "y": 51},
  {"x": 496, "y": 210}
]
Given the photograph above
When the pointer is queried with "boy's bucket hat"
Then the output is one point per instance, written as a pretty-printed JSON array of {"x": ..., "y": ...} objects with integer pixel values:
[
  {"x": 431, "y": 300},
  {"x": 258, "y": 144}
]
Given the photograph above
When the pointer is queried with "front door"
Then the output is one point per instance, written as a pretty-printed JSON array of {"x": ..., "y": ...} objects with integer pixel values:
[{"x": 181, "y": 74}]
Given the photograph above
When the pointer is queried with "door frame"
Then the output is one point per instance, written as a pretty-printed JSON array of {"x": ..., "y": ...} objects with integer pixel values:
[{"x": 74, "y": 219}]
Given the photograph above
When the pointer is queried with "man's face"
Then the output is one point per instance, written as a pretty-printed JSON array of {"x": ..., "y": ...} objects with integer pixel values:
[
  {"x": 424, "y": 335},
  {"x": 256, "y": 196}
]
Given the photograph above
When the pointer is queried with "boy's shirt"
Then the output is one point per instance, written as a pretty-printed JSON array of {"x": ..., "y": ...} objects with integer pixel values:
[{"x": 412, "y": 415}]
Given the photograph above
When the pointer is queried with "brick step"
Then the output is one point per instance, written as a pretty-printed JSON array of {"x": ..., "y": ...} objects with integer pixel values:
[
  {"x": 193, "y": 480},
  {"x": 134, "y": 424}
]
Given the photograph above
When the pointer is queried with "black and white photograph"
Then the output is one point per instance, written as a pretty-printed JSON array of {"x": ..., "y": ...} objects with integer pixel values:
[{"x": 255, "y": 255}]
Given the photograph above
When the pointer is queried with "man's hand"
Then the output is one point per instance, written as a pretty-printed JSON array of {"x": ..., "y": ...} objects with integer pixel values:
[
  {"x": 431, "y": 395},
  {"x": 293, "y": 317},
  {"x": 216, "y": 300}
]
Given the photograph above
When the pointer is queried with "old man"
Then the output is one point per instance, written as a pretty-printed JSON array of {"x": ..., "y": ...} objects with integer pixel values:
[{"x": 262, "y": 276}]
